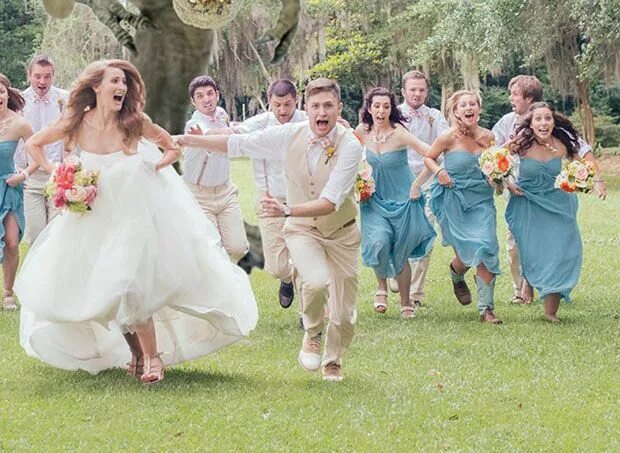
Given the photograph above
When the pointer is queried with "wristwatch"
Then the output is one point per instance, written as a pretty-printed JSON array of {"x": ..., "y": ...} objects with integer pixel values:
[{"x": 286, "y": 209}]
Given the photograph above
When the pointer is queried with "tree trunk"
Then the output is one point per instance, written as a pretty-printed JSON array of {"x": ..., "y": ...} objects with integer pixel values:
[
  {"x": 585, "y": 111},
  {"x": 447, "y": 88}
]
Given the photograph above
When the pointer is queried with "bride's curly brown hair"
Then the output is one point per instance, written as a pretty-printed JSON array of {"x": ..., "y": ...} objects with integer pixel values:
[
  {"x": 83, "y": 98},
  {"x": 563, "y": 130},
  {"x": 16, "y": 100}
]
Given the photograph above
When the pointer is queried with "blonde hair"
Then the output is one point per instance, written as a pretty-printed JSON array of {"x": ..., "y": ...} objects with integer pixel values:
[
  {"x": 321, "y": 85},
  {"x": 83, "y": 98},
  {"x": 454, "y": 100},
  {"x": 16, "y": 100}
]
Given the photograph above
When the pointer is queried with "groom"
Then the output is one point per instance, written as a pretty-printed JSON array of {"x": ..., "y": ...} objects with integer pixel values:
[{"x": 321, "y": 159}]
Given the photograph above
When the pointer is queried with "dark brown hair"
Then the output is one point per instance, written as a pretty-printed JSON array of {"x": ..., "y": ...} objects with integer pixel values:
[
  {"x": 396, "y": 117},
  {"x": 16, "y": 100},
  {"x": 281, "y": 88},
  {"x": 201, "y": 81}
]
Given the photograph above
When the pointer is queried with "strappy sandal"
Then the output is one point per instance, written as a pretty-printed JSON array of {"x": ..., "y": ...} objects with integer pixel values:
[
  {"x": 407, "y": 311},
  {"x": 8, "y": 301},
  {"x": 135, "y": 367},
  {"x": 378, "y": 305},
  {"x": 153, "y": 373}
]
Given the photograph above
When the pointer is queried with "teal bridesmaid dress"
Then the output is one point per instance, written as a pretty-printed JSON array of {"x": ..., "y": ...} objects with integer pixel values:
[
  {"x": 11, "y": 198},
  {"x": 544, "y": 224},
  {"x": 394, "y": 227},
  {"x": 466, "y": 211}
]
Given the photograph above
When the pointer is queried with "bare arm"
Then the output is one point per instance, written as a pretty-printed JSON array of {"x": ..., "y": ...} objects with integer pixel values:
[
  {"x": 440, "y": 145},
  {"x": 415, "y": 143},
  {"x": 217, "y": 143},
  {"x": 35, "y": 145},
  {"x": 599, "y": 184},
  {"x": 271, "y": 207},
  {"x": 161, "y": 138},
  {"x": 25, "y": 132}
]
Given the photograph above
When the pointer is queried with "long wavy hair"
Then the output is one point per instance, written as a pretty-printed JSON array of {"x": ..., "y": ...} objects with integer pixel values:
[
  {"x": 563, "y": 130},
  {"x": 83, "y": 98},
  {"x": 395, "y": 116},
  {"x": 16, "y": 100},
  {"x": 454, "y": 120}
]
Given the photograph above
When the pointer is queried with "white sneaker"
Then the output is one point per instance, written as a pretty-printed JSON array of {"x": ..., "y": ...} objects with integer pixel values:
[{"x": 310, "y": 353}]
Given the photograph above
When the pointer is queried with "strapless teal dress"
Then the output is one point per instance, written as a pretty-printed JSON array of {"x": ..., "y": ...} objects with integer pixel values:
[
  {"x": 544, "y": 224},
  {"x": 394, "y": 227},
  {"x": 11, "y": 198},
  {"x": 466, "y": 211}
]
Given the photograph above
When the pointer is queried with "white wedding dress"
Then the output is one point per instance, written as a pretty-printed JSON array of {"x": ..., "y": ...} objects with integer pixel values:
[{"x": 145, "y": 249}]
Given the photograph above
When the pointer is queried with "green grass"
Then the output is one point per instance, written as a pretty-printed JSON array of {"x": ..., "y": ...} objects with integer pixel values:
[{"x": 443, "y": 381}]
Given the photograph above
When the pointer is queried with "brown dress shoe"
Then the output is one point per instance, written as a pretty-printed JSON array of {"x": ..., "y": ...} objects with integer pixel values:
[
  {"x": 489, "y": 317},
  {"x": 459, "y": 285}
]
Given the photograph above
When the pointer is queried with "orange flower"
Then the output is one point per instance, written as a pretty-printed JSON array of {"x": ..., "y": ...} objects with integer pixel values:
[
  {"x": 567, "y": 187},
  {"x": 503, "y": 164}
]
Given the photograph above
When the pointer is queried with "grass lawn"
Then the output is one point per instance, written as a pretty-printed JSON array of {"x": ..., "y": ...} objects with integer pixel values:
[{"x": 442, "y": 381}]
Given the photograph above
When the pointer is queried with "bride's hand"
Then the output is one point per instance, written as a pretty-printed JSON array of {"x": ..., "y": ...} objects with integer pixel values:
[
  {"x": 179, "y": 140},
  {"x": 15, "y": 180}
]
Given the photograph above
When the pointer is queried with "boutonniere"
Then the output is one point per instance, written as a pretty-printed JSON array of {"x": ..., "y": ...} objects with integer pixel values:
[
  {"x": 61, "y": 104},
  {"x": 430, "y": 120},
  {"x": 329, "y": 151}
]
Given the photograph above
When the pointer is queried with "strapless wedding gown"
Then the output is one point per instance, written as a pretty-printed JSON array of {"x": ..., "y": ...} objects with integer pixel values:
[{"x": 145, "y": 249}]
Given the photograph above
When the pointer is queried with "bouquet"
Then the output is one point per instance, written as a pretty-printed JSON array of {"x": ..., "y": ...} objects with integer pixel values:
[
  {"x": 364, "y": 185},
  {"x": 72, "y": 188},
  {"x": 576, "y": 176},
  {"x": 496, "y": 164}
]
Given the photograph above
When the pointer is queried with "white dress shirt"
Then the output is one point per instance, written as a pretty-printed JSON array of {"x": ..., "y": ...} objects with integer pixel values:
[
  {"x": 200, "y": 166},
  {"x": 39, "y": 115},
  {"x": 268, "y": 174},
  {"x": 273, "y": 143},
  {"x": 426, "y": 125}
]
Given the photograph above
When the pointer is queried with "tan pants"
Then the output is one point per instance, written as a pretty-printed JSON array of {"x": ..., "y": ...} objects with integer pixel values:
[
  {"x": 221, "y": 206},
  {"x": 38, "y": 210},
  {"x": 515, "y": 263},
  {"x": 277, "y": 257},
  {"x": 327, "y": 264}
]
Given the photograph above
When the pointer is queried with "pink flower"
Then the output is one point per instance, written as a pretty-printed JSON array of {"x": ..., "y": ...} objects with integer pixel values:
[
  {"x": 366, "y": 173},
  {"x": 76, "y": 194},
  {"x": 65, "y": 175},
  {"x": 91, "y": 194},
  {"x": 59, "y": 199},
  {"x": 582, "y": 172},
  {"x": 488, "y": 168}
]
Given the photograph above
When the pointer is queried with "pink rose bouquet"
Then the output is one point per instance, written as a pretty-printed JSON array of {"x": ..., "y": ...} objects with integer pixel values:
[
  {"x": 72, "y": 188},
  {"x": 497, "y": 164},
  {"x": 576, "y": 176},
  {"x": 364, "y": 185}
]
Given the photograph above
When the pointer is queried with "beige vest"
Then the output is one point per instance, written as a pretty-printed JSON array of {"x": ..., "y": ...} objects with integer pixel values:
[{"x": 302, "y": 187}]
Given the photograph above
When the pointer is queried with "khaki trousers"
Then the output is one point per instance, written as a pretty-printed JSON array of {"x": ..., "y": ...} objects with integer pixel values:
[
  {"x": 327, "y": 265},
  {"x": 277, "y": 257},
  {"x": 38, "y": 210},
  {"x": 221, "y": 205}
]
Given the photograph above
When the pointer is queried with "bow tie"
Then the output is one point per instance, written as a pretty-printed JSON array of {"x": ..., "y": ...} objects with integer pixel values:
[
  {"x": 44, "y": 99},
  {"x": 323, "y": 141},
  {"x": 415, "y": 113}
]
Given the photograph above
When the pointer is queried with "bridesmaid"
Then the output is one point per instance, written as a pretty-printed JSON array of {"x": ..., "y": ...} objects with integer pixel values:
[
  {"x": 12, "y": 128},
  {"x": 542, "y": 218},
  {"x": 462, "y": 201},
  {"x": 394, "y": 226}
]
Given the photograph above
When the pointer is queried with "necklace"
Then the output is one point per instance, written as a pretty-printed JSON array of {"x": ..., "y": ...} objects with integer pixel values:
[
  {"x": 376, "y": 138},
  {"x": 4, "y": 125},
  {"x": 548, "y": 147}
]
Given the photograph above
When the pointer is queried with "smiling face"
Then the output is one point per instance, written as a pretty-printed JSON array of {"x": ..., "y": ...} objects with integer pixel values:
[
  {"x": 323, "y": 110},
  {"x": 415, "y": 92},
  {"x": 283, "y": 107},
  {"x": 205, "y": 99},
  {"x": 41, "y": 78},
  {"x": 519, "y": 104},
  {"x": 112, "y": 89},
  {"x": 380, "y": 109},
  {"x": 542, "y": 123},
  {"x": 467, "y": 109}
]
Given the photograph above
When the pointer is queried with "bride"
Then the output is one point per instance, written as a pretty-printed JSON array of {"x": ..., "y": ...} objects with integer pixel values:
[{"x": 144, "y": 262}]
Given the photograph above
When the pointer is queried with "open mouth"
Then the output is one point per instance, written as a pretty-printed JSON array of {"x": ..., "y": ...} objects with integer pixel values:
[
  {"x": 469, "y": 115},
  {"x": 119, "y": 97}
]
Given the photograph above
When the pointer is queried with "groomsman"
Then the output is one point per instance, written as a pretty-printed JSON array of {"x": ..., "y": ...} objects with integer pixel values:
[
  {"x": 427, "y": 124},
  {"x": 321, "y": 160},
  {"x": 269, "y": 179},
  {"x": 524, "y": 90},
  {"x": 44, "y": 105},
  {"x": 207, "y": 174}
]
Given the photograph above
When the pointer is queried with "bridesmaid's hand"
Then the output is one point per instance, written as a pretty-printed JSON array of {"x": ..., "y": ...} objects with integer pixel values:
[
  {"x": 444, "y": 178},
  {"x": 514, "y": 189},
  {"x": 600, "y": 189},
  {"x": 15, "y": 180},
  {"x": 415, "y": 192}
]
